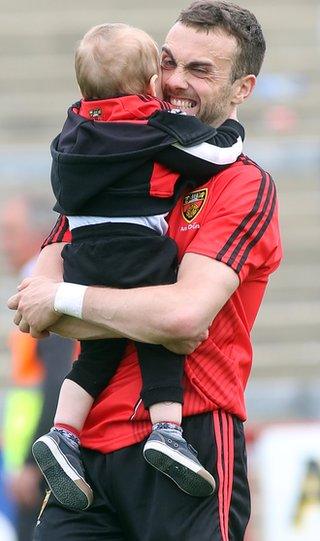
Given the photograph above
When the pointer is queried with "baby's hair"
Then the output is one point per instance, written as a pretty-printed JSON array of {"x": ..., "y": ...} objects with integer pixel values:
[{"x": 115, "y": 60}]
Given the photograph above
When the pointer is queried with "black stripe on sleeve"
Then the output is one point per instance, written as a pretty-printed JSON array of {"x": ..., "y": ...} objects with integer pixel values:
[
  {"x": 49, "y": 238},
  {"x": 246, "y": 219},
  {"x": 254, "y": 225},
  {"x": 64, "y": 229},
  {"x": 259, "y": 235}
]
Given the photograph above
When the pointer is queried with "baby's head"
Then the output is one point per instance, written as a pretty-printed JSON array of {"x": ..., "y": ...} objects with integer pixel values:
[{"x": 116, "y": 60}]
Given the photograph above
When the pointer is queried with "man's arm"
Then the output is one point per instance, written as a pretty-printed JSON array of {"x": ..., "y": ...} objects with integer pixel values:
[
  {"x": 49, "y": 265},
  {"x": 177, "y": 311},
  {"x": 156, "y": 314}
]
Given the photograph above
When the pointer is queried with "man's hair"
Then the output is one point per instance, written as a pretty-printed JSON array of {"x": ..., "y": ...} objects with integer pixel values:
[
  {"x": 237, "y": 22},
  {"x": 115, "y": 60}
]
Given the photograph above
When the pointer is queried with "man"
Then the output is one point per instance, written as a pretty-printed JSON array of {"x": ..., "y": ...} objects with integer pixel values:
[
  {"x": 37, "y": 367},
  {"x": 228, "y": 239}
]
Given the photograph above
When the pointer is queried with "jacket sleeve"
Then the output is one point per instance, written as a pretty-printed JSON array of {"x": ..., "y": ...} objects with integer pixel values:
[{"x": 205, "y": 158}]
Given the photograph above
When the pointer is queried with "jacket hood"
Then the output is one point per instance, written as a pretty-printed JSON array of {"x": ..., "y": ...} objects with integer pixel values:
[{"x": 102, "y": 144}]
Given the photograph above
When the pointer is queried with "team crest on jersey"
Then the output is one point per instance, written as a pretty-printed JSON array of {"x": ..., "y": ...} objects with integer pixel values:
[{"x": 193, "y": 204}]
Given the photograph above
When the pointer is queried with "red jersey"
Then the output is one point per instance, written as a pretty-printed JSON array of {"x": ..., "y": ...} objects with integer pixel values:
[{"x": 233, "y": 218}]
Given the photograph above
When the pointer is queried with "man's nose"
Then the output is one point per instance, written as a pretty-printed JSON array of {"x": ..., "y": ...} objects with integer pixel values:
[{"x": 177, "y": 78}]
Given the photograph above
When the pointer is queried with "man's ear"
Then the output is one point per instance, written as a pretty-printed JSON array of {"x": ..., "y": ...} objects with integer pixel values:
[
  {"x": 153, "y": 87},
  {"x": 243, "y": 88}
]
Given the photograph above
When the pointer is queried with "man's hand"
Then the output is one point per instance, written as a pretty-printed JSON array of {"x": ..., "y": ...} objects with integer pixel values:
[{"x": 34, "y": 305}]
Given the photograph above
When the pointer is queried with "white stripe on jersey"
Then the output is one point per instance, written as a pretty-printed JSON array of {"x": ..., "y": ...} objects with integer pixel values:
[{"x": 214, "y": 154}]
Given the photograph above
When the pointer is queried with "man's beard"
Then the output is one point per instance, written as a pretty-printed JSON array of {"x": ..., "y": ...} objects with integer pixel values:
[
  {"x": 216, "y": 112},
  {"x": 213, "y": 113}
]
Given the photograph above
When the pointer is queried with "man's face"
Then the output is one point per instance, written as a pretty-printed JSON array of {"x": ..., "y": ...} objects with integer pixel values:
[{"x": 196, "y": 72}]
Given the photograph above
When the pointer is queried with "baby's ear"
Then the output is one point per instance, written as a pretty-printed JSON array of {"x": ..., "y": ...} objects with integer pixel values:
[{"x": 153, "y": 87}]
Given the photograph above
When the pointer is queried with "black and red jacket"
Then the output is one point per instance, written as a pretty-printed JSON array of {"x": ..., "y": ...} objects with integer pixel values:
[{"x": 116, "y": 157}]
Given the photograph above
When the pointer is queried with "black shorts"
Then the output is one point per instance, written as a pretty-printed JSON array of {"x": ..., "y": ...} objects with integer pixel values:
[{"x": 134, "y": 502}]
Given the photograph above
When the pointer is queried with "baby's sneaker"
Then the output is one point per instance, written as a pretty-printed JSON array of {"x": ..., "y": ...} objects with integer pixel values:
[
  {"x": 167, "y": 451},
  {"x": 58, "y": 457}
]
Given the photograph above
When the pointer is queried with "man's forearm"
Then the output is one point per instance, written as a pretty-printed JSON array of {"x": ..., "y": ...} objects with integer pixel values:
[
  {"x": 160, "y": 314},
  {"x": 147, "y": 314},
  {"x": 72, "y": 327},
  {"x": 156, "y": 315},
  {"x": 144, "y": 314},
  {"x": 114, "y": 313}
]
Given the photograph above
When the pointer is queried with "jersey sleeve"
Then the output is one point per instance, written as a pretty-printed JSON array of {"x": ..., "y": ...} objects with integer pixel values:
[
  {"x": 204, "y": 160},
  {"x": 241, "y": 227},
  {"x": 59, "y": 233}
]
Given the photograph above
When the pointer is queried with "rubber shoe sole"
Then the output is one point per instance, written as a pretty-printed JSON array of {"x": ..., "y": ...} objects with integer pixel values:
[
  {"x": 190, "y": 477},
  {"x": 68, "y": 487}
]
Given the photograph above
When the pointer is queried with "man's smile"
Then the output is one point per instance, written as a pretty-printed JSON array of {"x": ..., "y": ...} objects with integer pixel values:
[{"x": 184, "y": 103}]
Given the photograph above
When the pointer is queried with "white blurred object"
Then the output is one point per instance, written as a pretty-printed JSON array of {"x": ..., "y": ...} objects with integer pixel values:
[
  {"x": 6, "y": 529},
  {"x": 288, "y": 474}
]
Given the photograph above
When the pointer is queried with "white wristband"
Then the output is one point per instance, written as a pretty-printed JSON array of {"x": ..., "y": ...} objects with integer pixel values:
[{"x": 69, "y": 299}]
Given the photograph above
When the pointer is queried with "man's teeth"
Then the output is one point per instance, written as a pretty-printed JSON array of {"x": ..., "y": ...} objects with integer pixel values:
[{"x": 184, "y": 104}]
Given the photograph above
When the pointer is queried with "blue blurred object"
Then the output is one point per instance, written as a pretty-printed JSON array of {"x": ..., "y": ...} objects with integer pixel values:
[
  {"x": 275, "y": 86},
  {"x": 7, "y": 509}
]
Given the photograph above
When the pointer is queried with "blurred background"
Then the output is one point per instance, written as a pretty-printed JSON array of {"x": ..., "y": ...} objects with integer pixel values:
[{"x": 37, "y": 83}]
